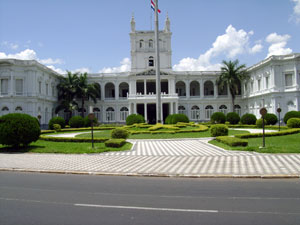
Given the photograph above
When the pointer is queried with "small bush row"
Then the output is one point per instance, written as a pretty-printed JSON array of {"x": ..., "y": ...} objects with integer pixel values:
[
  {"x": 115, "y": 143},
  {"x": 200, "y": 128},
  {"x": 293, "y": 123},
  {"x": 291, "y": 114},
  {"x": 218, "y": 130},
  {"x": 232, "y": 141},
  {"x": 69, "y": 139},
  {"x": 271, "y": 134}
]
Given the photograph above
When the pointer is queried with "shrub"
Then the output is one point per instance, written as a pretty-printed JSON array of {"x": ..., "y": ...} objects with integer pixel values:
[
  {"x": 119, "y": 133},
  {"x": 76, "y": 122},
  {"x": 291, "y": 114},
  {"x": 259, "y": 123},
  {"x": 269, "y": 134},
  {"x": 233, "y": 118},
  {"x": 18, "y": 129},
  {"x": 232, "y": 141},
  {"x": 88, "y": 123},
  {"x": 218, "y": 117},
  {"x": 218, "y": 130},
  {"x": 271, "y": 119},
  {"x": 134, "y": 118},
  {"x": 293, "y": 123},
  {"x": 156, "y": 127},
  {"x": 115, "y": 143},
  {"x": 168, "y": 120},
  {"x": 70, "y": 139},
  {"x": 179, "y": 118},
  {"x": 248, "y": 119},
  {"x": 56, "y": 127},
  {"x": 56, "y": 120}
]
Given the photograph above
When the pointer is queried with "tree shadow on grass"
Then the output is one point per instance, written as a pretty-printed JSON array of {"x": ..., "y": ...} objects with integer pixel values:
[{"x": 14, "y": 150}]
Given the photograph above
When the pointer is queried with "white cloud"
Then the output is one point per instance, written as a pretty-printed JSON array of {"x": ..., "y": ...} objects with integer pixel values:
[
  {"x": 278, "y": 43},
  {"x": 296, "y": 13},
  {"x": 10, "y": 45},
  {"x": 51, "y": 61},
  {"x": 58, "y": 70},
  {"x": 125, "y": 66},
  {"x": 81, "y": 70},
  {"x": 232, "y": 43}
]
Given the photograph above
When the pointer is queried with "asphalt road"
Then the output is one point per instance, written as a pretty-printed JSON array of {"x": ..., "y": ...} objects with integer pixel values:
[{"x": 33, "y": 198}]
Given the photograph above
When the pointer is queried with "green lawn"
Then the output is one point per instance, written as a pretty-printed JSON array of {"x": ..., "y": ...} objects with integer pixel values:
[
  {"x": 65, "y": 147},
  {"x": 280, "y": 144},
  {"x": 161, "y": 136}
]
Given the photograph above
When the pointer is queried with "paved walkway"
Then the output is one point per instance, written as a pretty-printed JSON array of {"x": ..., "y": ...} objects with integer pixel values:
[{"x": 194, "y": 157}]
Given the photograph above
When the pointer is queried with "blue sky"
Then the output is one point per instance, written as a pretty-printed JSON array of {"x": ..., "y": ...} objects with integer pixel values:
[{"x": 92, "y": 35}]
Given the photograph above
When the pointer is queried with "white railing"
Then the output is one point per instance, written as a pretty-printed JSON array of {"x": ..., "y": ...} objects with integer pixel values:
[{"x": 151, "y": 95}]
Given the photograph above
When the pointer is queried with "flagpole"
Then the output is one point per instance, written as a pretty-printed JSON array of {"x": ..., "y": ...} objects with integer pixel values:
[
  {"x": 157, "y": 67},
  {"x": 150, "y": 18}
]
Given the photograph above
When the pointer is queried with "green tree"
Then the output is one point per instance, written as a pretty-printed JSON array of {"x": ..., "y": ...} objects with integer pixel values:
[
  {"x": 85, "y": 91},
  {"x": 232, "y": 74},
  {"x": 66, "y": 93}
]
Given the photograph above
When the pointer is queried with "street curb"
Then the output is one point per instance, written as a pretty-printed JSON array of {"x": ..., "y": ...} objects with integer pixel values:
[{"x": 277, "y": 176}]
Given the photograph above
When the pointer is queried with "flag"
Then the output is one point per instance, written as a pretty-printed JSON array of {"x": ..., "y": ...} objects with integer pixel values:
[{"x": 153, "y": 6}]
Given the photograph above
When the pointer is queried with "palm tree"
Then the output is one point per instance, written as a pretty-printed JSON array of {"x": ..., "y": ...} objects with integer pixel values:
[
  {"x": 232, "y": 74},
  {"x": 84, "y": 91},
  {"x": 66, "y": 93}
]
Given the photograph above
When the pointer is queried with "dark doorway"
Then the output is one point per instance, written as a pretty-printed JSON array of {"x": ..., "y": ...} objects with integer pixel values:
[
  {"x": 140, "y": 109},
  {"x": 151, "y": 113},
  {"x": 151, "y": 87},
  {"x": 165, "y": 111},
  {"x": 164, "y": 86}
]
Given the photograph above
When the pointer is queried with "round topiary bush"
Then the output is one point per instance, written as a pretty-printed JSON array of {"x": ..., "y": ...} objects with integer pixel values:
[
  {"x": 57, "y": 120},
  {"x": 259, "y": 122},
  {"x": 218, "y": 130},
  {"x": 248, "y": 119},
  {"x": 18, "y": 129},
  {"x": 56, "y": 127},
  {"x": 134, "y": 118},
  {"x": 88, "y": 123},
  {"x": 271, "y": 119},
  {"x": 76, "y": 122},
  {"x": 291, "y": 114},
  {"x": 179, "y": 118},
  {"x": 168, "y": 120},
  {"x": 119, "y": 133},
  {"x": 233, "y": 118},
  {"x": 293, "y": 123},
  {"x": 218, "y": 117}
]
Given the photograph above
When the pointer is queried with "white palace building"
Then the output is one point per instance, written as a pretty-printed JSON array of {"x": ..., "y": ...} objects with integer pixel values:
[{"x": 27, "y": 86}]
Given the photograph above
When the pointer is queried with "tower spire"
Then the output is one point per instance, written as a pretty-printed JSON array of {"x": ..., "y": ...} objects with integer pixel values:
[
  {"x": 167, "y": 24},
  {"x": 132, "y": 23}
]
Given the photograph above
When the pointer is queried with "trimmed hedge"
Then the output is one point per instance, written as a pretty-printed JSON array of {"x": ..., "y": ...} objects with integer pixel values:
[
  {"x": 233, "y": 118},
  {"x": 291, "y": 114},
  {"x": 269, "y": 134},
  {"x": 218, "y": 117},
  {"x": 176, "y": 118},
  {"x": 120, "y": 133},
  {"x": 56, "y": 120},
  {"x": 88, "y": 123},
  {"x": 232, "y": 141},
  {"x": 293, "y": 123},
  {"x": 218, "y": 130},
  {"x": 156, "y": 127},
  {"x": 271, "y": 119},
  {"x": 134, "y": 118},
  {"x": 18, "y": 129},
  {"x": 56, "y": 127},
  {"x": 259, "y": 123},
  {"x": 69, "y": 139},
  {"x": 115, "y": 143},
  {"x": 76, "y": 122},
  {"x": 248, "y": 118}
]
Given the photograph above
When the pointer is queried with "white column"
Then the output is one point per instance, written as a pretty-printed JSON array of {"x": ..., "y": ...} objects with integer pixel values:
[
  {"x": 102, "y": 91},
  {"x": 171, "y": 107},
  {"x": 215, "y": 90},
  {"x": 11, "y": 84},
  {"x": 145, "y": 87},
  {"x": 103, "y": 113},
  {"x": 187, "y": 89},
  {"x": 116, "y": 90},
  {"x": 134, "y": 108},
  {"x": 201, "y": 89},
  {"x": 145, "y": 111},
  {"x": 296, "y": 75},
  {"x": 176, "y": 107}
]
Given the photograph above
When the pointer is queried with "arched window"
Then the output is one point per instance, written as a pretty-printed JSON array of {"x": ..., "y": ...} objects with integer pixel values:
[
  {"x": 151, "y": 61},
  {"x": 110, "y": 114},
  {"x": 123, "y": 90},
  {"x": 195, "y": 113},
  {"x": 150, "y": 43},
  {"x": 238, "y": 109},
  {"x": 18, "y": 109},
  {"x": 222, "y": 90},
  {"x": 194, "y": 88},
  {"x": 209, "y": 110},
  {"x": 291, "y": 106},
  {"x": 141, "y": 43},
  {"x": 181, "y": 109},
  {"x": 109, "y": 91},
  {"x": 180, "y": 89},
  {"x": 123, "y": 113},
  {"x": 4, "y": 110},
  {"x": 223, "y": 109},
  {"x": 208, "y": 88},
  {"x": 97, "y": 114}
]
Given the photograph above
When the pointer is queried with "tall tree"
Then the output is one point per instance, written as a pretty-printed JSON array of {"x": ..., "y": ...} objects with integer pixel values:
[
  {"x": 85, "y": 91},
  {"x": 232, "y": 74},
  {"x": 67, "y": 92}
]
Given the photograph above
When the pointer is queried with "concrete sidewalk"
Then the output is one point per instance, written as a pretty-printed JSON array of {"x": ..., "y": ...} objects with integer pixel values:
[{"x": 184, "y": 158}]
